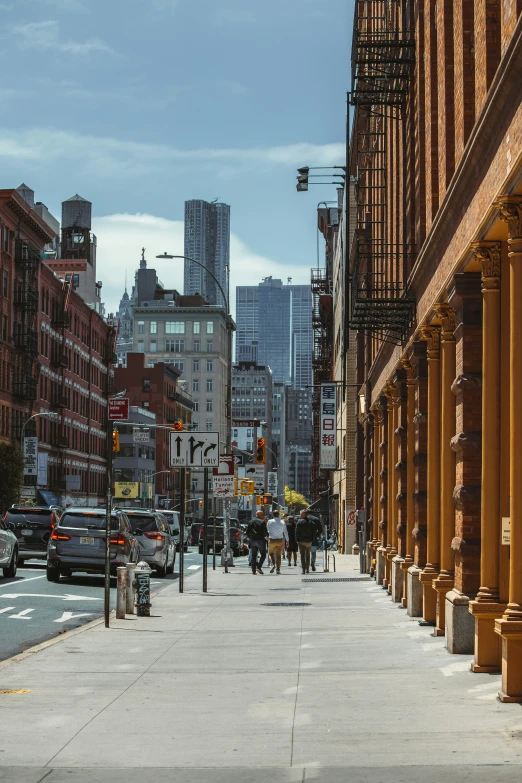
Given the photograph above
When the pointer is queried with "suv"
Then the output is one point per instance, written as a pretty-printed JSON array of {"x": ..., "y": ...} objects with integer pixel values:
[
  {"x": 157, "y": 545},
  {"x": 237, "y": 538},
  {"x": 32, "y": 525},
  {"x": 77, "y": 543},
  {"x": 8, "y": 552},
  {"x": 173, "y": 521}
]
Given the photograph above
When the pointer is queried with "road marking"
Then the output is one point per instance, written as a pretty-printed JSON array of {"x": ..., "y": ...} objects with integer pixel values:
[
  {"x": 21, "y": 615},
  {"x": 66, "y": 616},
  {"x": 65, "y": 597},
  {"x": 10, "y": 584},
  {"x": 193, "y": 568},
  {"x": 7, "y": 609}
]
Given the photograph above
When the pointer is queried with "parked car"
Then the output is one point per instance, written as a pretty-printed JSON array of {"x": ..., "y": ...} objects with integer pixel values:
[
  {"x": 77, "y": 543},
  {"x": 32, "y": 526},
  {"x": 8, "y": 551},
  {"x": 237, "y": 537},
  {"x": 172, "y": 518},
  {"x": 157, "y": 544}
]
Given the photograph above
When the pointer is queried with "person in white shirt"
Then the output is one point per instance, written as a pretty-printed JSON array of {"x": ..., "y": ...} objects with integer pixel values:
[{"x": 277, "y": 535}]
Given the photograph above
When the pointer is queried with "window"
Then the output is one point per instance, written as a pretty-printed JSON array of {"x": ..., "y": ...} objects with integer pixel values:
[
  {"x": 195, "y": 385},
  {"x": 179, "y": 364},
  {"x": 153, "y": 346},
  {"x": 210, "y": 327},
  {"x": 145, "y": 386},
  {"x": 141, "y": 349},
  {"x": 6, "y": 283},
  {"x": 210, "y": 346},
  {"x": 175, "y": 346},
  {"x": 209, "y": 406},
  {"x": 196, "y": 346},
  {"x": 195, "y": 365},
  {"x": 235, "y": 431},
  {"x": 249, "y": 433},
  {"x": 174, "y": 327},
  {"x": 210, "y": 385},
  {"x": 209, "y": 425},
  {"x": 196, "y": 406},
  {"x": 210, "y": 365},
  {"x": 154, "y": 327},
  {"x": 197, "y": 327},
  {"x": 141, "y": 327}
]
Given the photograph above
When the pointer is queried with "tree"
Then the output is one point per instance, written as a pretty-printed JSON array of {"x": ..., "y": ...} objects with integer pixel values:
[
  {"x": 295, "y": 500},
  {"x": 11, "y": 474}
]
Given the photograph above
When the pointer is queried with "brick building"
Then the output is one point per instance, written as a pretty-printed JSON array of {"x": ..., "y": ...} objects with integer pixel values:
[
  {"x": 435, "y": 301},
  {"x": 158, "y": 390}
]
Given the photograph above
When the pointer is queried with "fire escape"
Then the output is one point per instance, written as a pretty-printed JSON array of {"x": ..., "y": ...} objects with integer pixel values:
[
  {"x": 60, "y": 321},
  {"x": 383, "y": 56},
  {"x": 25, "y": 336}
]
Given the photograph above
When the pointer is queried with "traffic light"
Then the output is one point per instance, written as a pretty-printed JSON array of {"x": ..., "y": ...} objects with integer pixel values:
[
  {"x": 115, "y": 441},
  {"x": 267, "y": 500},
  {"x": 261, "y": 451},
  {"x": 178, "y": 426},
  {"x": 302, "y": 179},
  {"x": 201, "y": 504}
]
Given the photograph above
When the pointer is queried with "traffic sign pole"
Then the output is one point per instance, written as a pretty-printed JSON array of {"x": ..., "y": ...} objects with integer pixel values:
[
  {"x": 205, "y": 531},
  {"x": 182, "y": 530}
]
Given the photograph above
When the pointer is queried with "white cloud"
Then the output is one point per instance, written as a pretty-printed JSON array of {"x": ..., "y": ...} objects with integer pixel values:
[
  {"x": 121, "y": 237},
  {"x": 46, "y": 36},
  {"x": 111, "y": 156}
]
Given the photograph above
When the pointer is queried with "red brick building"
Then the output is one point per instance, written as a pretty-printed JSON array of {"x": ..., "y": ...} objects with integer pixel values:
[{"x": 156, "y": 389}]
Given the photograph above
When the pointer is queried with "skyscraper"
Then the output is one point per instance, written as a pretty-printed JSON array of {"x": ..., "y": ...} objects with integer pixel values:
[
  {"x": 274, "y": 322},
  {"x": 207, "y": 239}
]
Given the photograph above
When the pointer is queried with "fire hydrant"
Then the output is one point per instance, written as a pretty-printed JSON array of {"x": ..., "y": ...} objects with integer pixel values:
[{"x": 143, "y": 572}]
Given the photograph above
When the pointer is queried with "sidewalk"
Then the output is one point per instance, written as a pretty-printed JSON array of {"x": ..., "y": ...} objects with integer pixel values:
[{"x": 221, "y": 688}]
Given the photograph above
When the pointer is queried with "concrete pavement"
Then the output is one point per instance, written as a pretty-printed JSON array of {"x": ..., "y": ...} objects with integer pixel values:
[{"x": 221, "y": 687}]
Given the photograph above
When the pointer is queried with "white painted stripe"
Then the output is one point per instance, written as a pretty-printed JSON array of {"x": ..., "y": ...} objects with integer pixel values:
[
  {"x": 10, "y": 584},
  {"x": 193, "y": 568},
  {"x": 21, "y": 615},
  {"x": 7, "y": 609}
]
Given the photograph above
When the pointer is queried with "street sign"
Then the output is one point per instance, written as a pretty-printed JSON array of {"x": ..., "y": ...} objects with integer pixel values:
[
  {"x": 244, "y": 487},
  {"x": 118, "y": 409},
  {"x": 256, "y": 473},
  {"x": 506, "y": 531},
  {"x": 140, "y": 435},
  {"x": 223, "y": 477},
  {"x": 272, "y": 482},
  {"x": 194, "y": 449},
  {"x": 30, "y": 456},
  {"x": 246, "y": 423}
]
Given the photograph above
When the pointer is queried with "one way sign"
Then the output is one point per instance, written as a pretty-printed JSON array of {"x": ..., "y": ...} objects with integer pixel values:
[{"x": 194, "y": 449}]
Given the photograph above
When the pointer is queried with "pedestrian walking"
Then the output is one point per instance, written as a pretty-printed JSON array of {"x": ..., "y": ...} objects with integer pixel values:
[
  {"x": 316, "y": 540},
  {"x": 277, "y": 535},
  {"x": 257, "y": 533},
  {"x": 304, "y": 534},
  {"x": 292, "y": 543}
]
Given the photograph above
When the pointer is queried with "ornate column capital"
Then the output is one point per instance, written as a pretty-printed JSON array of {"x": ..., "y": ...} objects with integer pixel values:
[
  {"x": 510, "y": 209},
  {"x": 446, "y": 316},
  {"x": 391, "y": 392},
  {"x": 489, "y": 256},
  {"x": 376, "y": 411},
  {"x": 431, "y": 335}
]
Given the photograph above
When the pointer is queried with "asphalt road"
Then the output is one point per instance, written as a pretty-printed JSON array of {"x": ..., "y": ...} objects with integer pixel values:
[{"x": 33, "y": 610}]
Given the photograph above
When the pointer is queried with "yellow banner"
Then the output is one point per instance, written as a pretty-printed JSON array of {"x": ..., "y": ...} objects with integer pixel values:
[{"x": 126, "y": 489}]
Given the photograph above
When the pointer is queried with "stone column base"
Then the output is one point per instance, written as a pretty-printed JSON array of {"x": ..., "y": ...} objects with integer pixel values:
[
  {"x": 397, "y": 579},
  {"x": 405, "y": 565},
  {"x": 380, "y": 564},
  {"x": 387, "y": 569},
  {"x": 510, "y": 632},
  {"x": 369, "y": 554},
  {"x": 414, "y": 592},
  {"x": 488, "y": 644},
  {"x": 442, "y": 586},
  {"x": 429, "y": 596},
  {"x": 460, "y": 625}
]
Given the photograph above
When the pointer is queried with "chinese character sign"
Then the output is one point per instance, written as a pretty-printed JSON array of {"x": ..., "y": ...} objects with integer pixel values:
[{"x": 328, "y": 431}]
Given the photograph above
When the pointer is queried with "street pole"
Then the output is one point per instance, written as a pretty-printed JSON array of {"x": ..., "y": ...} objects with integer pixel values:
[
  {"x": 214, "y": 535},
  {"x": 205, "y": 531},
  {"x": 108, "y": 513},
  {"x": 182, "y": 530}
]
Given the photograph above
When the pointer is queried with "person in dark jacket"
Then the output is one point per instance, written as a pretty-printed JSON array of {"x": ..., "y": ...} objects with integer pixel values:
[
  {"x": 317, "y": 537},
  {"x": 292, "y": 547},
  {"x": 257, "y": 533},
  {"x": 304, "y": 533}
]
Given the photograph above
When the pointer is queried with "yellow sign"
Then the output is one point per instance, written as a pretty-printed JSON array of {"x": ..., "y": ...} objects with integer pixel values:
[
  {"x": 244, "y": 487},
  {"x": 126, "y": 489}
]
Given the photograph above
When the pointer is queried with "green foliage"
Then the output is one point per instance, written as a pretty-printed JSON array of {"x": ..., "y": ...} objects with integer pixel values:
[
  {"x": 295, "y": 500},
  {"x": 11, "y": 474}
]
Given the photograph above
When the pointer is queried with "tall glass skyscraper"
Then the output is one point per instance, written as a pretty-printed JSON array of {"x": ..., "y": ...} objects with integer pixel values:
[
  {"x": 207, "y": 239},
  {"x": 274, "y": 327}
]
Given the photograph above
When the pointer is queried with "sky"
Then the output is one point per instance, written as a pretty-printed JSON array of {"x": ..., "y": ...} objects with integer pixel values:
[{"x": 138, "y": 105}]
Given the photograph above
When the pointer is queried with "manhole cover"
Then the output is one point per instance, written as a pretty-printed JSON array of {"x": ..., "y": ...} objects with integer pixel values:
[
  {"x": 286, "y": 604},
  {"x": 342, "y": 579}
]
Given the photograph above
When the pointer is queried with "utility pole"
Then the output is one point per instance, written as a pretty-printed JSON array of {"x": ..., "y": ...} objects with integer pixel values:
[
  {"x": 182, "y": 530},
  {"x": 108, "y": 512},
  {"x": 205, "y": 531}
]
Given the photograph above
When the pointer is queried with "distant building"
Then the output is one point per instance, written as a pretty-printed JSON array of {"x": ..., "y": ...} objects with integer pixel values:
[
  {"x": 207, "y": 240},
  {"x": 279, "y": 435},
  {"x": 252, "y": 399},
  {"x": 124, "y": 323},
  {"x": 136, "y": 461},
  {"x": 274, "y": 326},
  {"x": 298, "y": 446}
]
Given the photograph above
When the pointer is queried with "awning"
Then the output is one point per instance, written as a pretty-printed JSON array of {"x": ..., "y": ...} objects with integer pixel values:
[
  {"x": 320, "y": 506},
  {"x": 49, "y": 498}
]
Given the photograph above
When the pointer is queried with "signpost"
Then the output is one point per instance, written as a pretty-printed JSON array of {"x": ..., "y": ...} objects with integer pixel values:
[
  {"x": 118, "y": 409},
  {"x": 30, "y": 456},
  {"x": 194, "y": 449},
  {"x": 328, "y": 427},
  {"x": 246, "y": 423},
  {"x": 256, "y": 473},
  {"x": 223, "y": 477},
  {"x": 140, "y": 435},
  {"x": 272, "y": 483},
  {"x": 506, "y": 531}
]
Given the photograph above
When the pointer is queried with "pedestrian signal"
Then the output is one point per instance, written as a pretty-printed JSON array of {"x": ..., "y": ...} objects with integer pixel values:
[
  {"x": 261, "y": 451},
  {"x": 267, "y": 500},
  {"x": 115, "y": 441},
  {"x": 178, "y": 426}
]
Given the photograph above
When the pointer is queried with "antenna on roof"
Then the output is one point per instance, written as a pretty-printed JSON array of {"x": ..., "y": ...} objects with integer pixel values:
[{"x": 214, "y": 201}]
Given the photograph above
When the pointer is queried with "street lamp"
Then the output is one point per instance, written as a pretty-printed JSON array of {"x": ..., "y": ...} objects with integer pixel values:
[
  {"x": 157, "y": 473},
  {"x": 230, "y": 329},
  {"x": 51, "y": 414}
]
